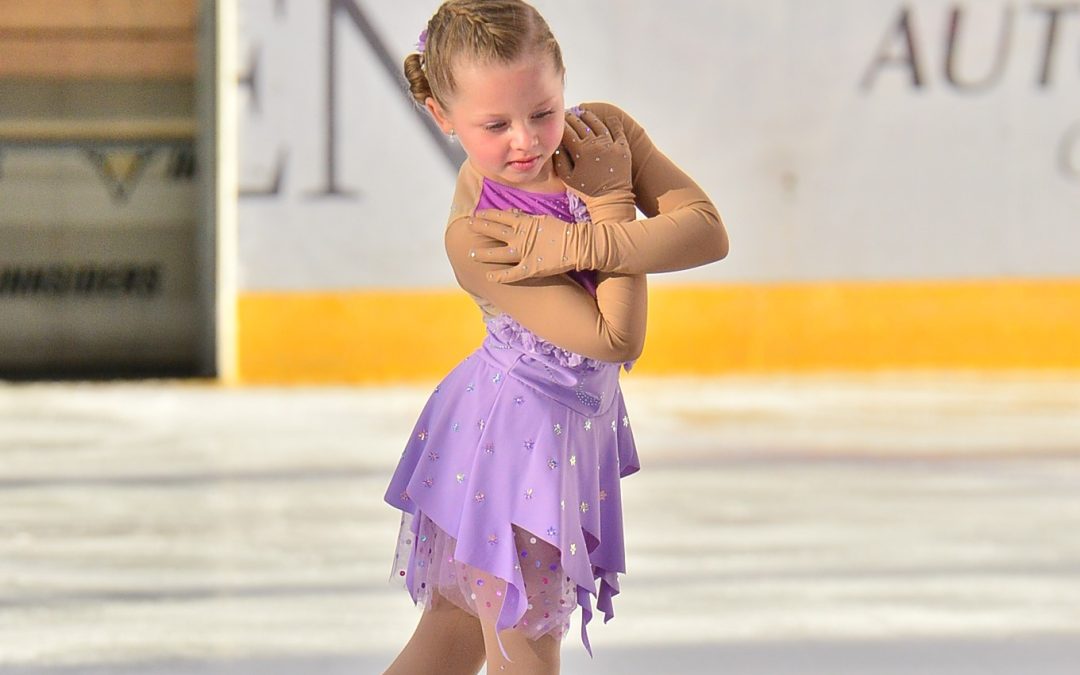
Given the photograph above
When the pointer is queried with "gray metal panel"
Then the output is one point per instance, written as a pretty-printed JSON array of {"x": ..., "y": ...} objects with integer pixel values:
[{"x": 97, "y": 251}]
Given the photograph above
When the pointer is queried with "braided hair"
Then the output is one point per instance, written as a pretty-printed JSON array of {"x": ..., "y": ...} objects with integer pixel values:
[{"x": 477, "y": 31}]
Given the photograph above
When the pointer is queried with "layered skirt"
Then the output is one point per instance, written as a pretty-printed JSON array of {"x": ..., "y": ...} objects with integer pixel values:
[{"x": 509, "y": 485}]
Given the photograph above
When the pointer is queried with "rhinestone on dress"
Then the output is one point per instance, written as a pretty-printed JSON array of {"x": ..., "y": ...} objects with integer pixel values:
[
  {"x": 551, "y": 532},
  {"x": 455, "y": 426},
  {"x": 584, "y": 507},
  {"x": 470, "y": 386},
  {"x": 480, "y": 424},
  {"x": 588, "y": 425},
  {"x": 552, "y": 464},
  {"x": 558, "y": 429},
  {"x": 528, "y": 493},
  {"x": 428, "y": 482},
  {"x": 573, "y": 549},
  {"x": 433, "y": 456},
  {"x": 492, "y": 539},
  {"x": 573, "y": 460},
  {"x": 603, "y": 494},
  {"x": 625, "y": 421},
  {"x": 422, "y": 435},
  {"x": 519, "y": 400},
  {"x": 478, "y": 497},
  {"x": 613, "y": 425},
  {"x": 496, "y": 378},
  {"x": 489, "y": 448},
  {"x": 529, "y": 444},
  {"x": 460, "y": 478}
]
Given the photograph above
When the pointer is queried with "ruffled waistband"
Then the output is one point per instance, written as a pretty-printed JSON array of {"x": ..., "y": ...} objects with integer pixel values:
[{"x": 505, "y": 329}]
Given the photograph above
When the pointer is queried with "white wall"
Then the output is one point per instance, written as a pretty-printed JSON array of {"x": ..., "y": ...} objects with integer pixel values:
[{"x": 802, "y": 120}]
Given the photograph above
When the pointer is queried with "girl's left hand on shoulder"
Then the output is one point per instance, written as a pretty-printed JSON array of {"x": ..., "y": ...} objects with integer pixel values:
[{"x": 594, "y": 158}]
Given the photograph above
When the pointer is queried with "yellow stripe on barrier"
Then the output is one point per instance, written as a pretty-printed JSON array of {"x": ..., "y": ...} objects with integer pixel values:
[{"x": 380, "y": 336}]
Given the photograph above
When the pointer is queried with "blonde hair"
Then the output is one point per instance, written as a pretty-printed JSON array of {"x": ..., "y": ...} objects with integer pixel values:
[{"x": 478, "y": 31}]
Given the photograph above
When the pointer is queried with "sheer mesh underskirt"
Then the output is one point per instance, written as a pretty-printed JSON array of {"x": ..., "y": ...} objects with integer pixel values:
[{"x": 551, "y": 595}]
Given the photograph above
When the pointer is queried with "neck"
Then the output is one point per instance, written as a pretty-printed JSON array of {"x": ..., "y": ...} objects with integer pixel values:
[{"x": 547, "y": 181}]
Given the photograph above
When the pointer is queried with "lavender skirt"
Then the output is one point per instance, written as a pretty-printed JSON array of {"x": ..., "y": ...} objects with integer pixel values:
[{"x": 509, "y": 485}]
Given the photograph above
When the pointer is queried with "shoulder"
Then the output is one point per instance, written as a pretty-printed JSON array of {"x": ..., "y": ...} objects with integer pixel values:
[
  {"x": 639, "y": 140},
  {"x": 604, "y": 109},
  {"x": 460, "y": 240},
  {"x": 470, "y": 184}
]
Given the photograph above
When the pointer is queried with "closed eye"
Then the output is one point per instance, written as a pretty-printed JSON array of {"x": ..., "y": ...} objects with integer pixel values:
[{"x": 499, "y": 126}]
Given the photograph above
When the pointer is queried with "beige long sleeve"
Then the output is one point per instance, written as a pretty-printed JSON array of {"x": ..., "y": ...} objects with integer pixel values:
[
  {"x": 682, "y": 228},
  {"x": 610, "y": 327}
]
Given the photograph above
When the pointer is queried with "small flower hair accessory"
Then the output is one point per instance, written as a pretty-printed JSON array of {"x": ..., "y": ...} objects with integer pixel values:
[{"x": 421, "y": 42}]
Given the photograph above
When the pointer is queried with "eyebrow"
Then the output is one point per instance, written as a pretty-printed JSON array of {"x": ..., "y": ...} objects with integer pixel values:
[{"x": 548, "y": 101}]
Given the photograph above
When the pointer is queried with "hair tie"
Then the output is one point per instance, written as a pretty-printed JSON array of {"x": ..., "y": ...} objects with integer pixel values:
[{"x": 421, "y": 42}]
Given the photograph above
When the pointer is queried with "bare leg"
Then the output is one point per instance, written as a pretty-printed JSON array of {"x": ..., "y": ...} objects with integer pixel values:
[
  {"x": 447, "y": 640},
  {"x": 529, "y": 657}
]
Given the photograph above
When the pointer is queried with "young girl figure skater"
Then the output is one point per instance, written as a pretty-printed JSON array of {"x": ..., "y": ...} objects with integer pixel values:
[{"x": 509, "y": 484}]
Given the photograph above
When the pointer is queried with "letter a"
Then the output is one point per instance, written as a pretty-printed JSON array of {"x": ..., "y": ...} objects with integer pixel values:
[{"x": 908, "y": 57}]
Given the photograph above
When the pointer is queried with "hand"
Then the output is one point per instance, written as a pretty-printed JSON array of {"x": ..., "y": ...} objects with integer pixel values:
[
  {"x": 595, "y": 162},
  {"x": 594, "y": 157},
  {"x": 538, "y": 246}
]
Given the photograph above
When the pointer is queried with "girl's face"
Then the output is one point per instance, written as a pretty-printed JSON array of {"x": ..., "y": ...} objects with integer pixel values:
[{"x": 508, "y": 117}]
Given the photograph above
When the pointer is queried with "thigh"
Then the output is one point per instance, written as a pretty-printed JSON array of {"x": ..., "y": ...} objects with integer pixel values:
[
  {"x": 447, "y": 639},
  {"x": 533, "y": 645}
]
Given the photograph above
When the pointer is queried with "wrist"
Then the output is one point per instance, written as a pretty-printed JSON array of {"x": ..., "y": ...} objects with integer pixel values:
[{"x": 612, "y": 207}]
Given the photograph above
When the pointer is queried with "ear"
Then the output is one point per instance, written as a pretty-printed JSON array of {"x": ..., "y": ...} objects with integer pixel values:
[{"x": 438, "y": 114}]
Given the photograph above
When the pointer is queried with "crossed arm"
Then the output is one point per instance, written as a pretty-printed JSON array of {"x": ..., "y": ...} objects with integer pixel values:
[
  {"x": 682, "y": 228},
  {"x": 610, "y": 327}
]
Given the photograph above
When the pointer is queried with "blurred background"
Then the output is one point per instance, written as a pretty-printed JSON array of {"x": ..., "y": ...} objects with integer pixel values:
[{"x": 224, "y": 299}]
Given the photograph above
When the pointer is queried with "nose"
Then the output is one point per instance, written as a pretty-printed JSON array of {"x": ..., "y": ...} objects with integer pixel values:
[{"x": 524, "y": 137}]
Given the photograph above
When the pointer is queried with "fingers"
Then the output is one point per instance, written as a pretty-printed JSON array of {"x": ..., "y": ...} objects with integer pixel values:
[
  {"x": 570, "y": 140},
  {"x": 563, "y": 166},
  {"x": 514, "y": 218},
  {"x": 578, "y": 130},
  {"x": 508, "y": 276},
  {"x": 499, "y": 226},
  {"x": 615, "y": 126},
  {"x": 496, "y": 254},
  {"x": 595, "y": 124},
  {"x": 491, "y": 227}
]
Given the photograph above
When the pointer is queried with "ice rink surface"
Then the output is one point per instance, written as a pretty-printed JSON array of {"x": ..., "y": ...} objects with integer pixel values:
[{"x": 919, "y": 523}]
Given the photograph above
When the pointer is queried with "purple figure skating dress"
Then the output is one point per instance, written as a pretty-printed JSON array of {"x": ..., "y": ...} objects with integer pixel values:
[{"x": 509, "y": 483}]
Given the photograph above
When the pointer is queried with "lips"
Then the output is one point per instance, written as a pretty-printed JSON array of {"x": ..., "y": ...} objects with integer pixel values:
[{"x": 523, "y": 163}]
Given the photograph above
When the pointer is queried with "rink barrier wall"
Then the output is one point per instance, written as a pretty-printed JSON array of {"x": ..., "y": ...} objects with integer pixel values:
[{"x": 370, "y": 336}]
